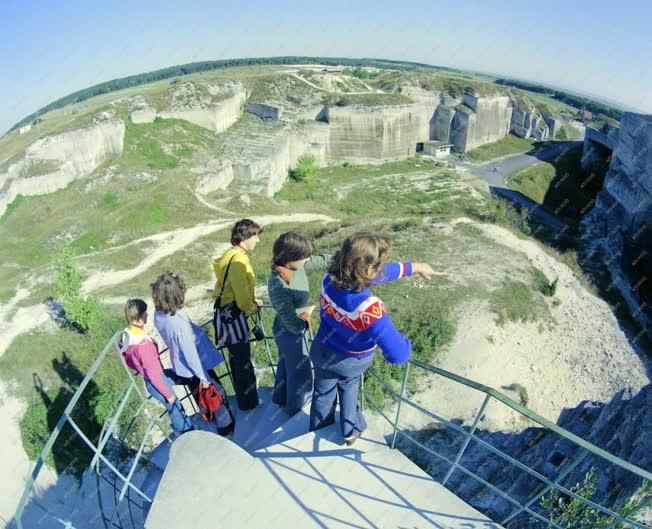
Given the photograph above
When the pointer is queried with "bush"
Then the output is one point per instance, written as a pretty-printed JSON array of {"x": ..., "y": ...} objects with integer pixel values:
[
  {"x": 81, "y": 313},
  {"x": 305, "y": 169},
  {"x": 561, "y": 134},
  {"x": 541, "y": 283},
  {"x": 570, "y": 513},
  {"x": 514, "y": 301}
]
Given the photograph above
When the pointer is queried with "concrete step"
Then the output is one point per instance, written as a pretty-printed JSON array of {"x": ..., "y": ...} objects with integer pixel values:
[
  {"x": 366, "y": 485},
  {"x": 251, "y": 427},
  {"x": 211, "y": 482},
  {"x": 292, "y": 427}
]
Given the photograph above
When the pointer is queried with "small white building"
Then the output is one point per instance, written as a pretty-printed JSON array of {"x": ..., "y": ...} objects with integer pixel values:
[
  {"x": 436, "y": 148},
  {"x": 26, "y": 128}
]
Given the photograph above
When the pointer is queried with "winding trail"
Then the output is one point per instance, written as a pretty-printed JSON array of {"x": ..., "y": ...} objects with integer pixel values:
[{"x": 14, "y": 322}]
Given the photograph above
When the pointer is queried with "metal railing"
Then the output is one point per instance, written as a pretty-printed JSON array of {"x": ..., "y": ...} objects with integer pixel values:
[
  {"x": 584, "y": 448},
  {"x": 127, "y": 487}
]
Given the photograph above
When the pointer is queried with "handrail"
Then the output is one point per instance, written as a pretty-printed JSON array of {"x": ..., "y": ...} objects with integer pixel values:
[
  {"x": 536, "y": 418},
  {"x": 586, "y": 447}
]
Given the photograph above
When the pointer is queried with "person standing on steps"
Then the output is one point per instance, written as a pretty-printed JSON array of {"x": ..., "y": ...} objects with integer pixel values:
[
  {"x": 352, "y": 324},
  {"x": 192, "y": 353},
  {"x": 288, "y": 292},
  {"x": 234, "y": 303}
]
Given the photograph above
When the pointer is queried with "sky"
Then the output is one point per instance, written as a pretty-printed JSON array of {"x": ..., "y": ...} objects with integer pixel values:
[{"x": 49, "y": 49}]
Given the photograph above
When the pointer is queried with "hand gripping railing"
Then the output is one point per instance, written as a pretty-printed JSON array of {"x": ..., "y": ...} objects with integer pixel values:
[{"x": 123, "y": 492}]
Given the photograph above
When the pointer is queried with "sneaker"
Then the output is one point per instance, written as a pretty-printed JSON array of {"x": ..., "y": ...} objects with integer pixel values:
[{"x": 351, "y": 440}]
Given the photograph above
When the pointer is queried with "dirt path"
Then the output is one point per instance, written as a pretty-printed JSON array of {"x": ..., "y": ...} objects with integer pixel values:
[
  {"x": 322, "y": 89},
  {"x": 14, "y": 322},
  {"x": 172, "y": 242}
]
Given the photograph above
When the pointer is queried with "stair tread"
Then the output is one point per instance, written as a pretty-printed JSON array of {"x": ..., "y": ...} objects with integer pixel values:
[
  {"x": 253, "y": 426},
  {"x": 365, "y": 485}
]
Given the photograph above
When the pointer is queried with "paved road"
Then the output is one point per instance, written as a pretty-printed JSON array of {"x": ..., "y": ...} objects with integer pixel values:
[{"x": 507, "y": 166}]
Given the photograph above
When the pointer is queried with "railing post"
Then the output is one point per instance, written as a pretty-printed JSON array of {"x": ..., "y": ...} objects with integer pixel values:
[
  {"x": 398, "y": 408},
  {"x": 486, "y": 400}
]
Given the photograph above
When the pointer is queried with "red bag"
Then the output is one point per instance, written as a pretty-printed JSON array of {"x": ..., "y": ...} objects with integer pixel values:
[{"x": 210, "y": 401}]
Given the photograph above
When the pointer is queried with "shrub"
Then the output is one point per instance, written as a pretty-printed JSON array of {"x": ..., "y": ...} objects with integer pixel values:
[
  {"x": 82, "y": 313},
  {"x": 305, "y": 169},
  {"x": 514, "y": 301},
  {"x": 570, "y": 513},
  {"x": 541, "y": 283},
  {"x": 561, "y": 134}
]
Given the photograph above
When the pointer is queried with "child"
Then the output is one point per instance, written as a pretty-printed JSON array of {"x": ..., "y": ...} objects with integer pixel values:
[
  {"x": 141, "y": 355},
  {"x": 288, "y": 292},
  {"x": 192, "y": 353},
  {"x": 352, "y": 324}
]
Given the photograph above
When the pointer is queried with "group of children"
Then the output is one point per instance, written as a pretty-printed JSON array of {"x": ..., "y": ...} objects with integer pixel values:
[{"x": 353, "y": 323}]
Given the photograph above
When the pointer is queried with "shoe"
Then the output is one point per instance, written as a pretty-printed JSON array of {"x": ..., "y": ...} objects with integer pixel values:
[
  {"x": 351, "y": 440},
  {"x": 227, "y": 430}
]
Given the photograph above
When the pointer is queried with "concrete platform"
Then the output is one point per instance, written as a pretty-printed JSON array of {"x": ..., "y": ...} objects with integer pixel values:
[{"x": 300, "y": 479}]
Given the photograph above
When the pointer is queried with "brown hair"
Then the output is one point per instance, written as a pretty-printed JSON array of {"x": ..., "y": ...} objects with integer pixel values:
[
  {"x": 134, "y": 310},
  {"x": 169, "y": 293},
  {"x": 349, "y": 268},
  {"x": 243, "y": 230},
  {"x": 291, "y": 246}
]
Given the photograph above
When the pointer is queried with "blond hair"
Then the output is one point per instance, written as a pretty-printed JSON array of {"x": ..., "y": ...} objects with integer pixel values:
[{"x": 135, "y": 310}]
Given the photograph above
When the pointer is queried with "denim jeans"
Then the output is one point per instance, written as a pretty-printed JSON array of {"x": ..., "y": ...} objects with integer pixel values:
[
  {"x": 337, "y": 375},
  {"x": 293, "y": 384},
  {"x": 178, "y": 419}
]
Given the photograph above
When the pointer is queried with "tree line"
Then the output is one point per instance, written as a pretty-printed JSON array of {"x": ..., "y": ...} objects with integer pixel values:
[{"x": 579, "y": 102}]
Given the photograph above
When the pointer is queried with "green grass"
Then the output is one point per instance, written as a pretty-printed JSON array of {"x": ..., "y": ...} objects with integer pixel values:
[
  {"x": 146, "y": 142},
  {"x": 516, "y": 301},
  {"x": 508, "y": 145},
  {"x": 562, "y": 186},
  {"x": 534, "y": 181},
  {"x": 369, "y": 100},
  {"x": 11, "y": 207}
]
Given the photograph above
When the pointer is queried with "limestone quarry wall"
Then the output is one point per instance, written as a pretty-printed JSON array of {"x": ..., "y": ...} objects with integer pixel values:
[
  {"x": 620, "y": 224},
  {"x": 377, "y": 135},
  {"x": 440, "y": 125},
  {"x": 493, "y": 115},
  {"x": 478, "y": 120},
  {"x": 462, "y": 130},
  {"x": 267, "y": 171},
  {"x": 78, "y": 153},
  {"x": 218, "y": 117}
]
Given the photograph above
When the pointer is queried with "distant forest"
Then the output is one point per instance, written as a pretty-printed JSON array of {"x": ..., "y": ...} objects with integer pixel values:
[
  {"x": 579, "y": 102},
  {"x": 196, "y": 67}
]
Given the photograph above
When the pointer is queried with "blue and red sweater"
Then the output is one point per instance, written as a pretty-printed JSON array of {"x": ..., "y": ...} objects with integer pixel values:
[{"x": 355, "y": 323}]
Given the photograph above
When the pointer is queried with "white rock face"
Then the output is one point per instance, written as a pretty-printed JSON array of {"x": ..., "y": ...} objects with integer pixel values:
[
  {"x": 218, "y": 117},
  {"x": 78, "y": 152},
  {"x": 619, "y": 224},
  {"x": 377, "y": 135},
  {"x": 266, "y": 169}
]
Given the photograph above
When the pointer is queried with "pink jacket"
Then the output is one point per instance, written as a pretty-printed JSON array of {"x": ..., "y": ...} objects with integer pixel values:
[{"x": 142, "y": 356}]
